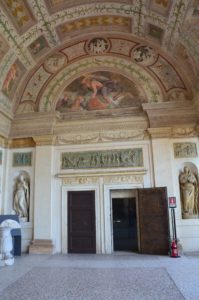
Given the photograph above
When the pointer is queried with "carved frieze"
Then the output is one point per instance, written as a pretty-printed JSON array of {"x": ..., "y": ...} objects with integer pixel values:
[
  {"x": 184, "y": 132},
  {"x": 102, "y": 159},
  {"x": 99, "y": 137},
  {"x": 183, "y": 150},
  {"x": 124, "y": 179},
  {"x": 79, "y": 180}
]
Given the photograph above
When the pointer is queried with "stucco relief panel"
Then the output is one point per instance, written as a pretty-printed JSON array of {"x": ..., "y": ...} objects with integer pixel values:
[
  {"x": 55, "y": 62},
  {"x": 144, "y": 55},
  {"x": 183, "y": 150}
]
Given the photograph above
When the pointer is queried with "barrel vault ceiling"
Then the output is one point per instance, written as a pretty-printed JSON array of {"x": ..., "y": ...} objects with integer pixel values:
[{"x": 45, "y": 45}]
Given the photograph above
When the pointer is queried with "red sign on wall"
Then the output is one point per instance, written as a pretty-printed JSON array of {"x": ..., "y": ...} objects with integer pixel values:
[{"x": 172, "y": 202}]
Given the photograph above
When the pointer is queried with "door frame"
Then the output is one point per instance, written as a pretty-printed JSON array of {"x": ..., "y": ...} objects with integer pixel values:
[
  {"x": 108, "y": 215},
  {"x": 64, "y": 214}
]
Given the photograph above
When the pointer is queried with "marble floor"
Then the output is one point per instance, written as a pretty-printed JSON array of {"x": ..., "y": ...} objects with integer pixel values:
[{"x": 120, "y": 276}]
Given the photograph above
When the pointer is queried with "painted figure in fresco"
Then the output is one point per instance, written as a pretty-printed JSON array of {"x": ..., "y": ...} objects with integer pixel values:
[
  {"x": 77, "y": 104},
  {"x": 38, "y": 45},
  {"x": 99, "y": 91},
  {"x": 10, "y": 78},
  {"x": 21, "y": 197},
  {"x": 63, "y": 102},
  {"x": 189, "y": 192},
  {"x": 101, "y": 88}
]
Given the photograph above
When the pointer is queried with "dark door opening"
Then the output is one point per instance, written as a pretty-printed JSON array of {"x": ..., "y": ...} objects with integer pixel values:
[
  {"x": 81, "y": 222},
  {"x": 124, "y": 224}
]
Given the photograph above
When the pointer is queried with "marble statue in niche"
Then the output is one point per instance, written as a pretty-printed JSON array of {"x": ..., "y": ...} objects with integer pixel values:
[
  {"x": 189, "y": 193},
  {"x": 21, "y": 199}
]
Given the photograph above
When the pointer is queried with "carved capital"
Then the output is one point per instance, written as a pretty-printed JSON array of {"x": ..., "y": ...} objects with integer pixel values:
[
  {"x": 21, "y": 143},
  {"x": 160, "y": 132},
  {"x": 197, "y": 130},
  {"x": 44, "y": 140},
  {"x": 3, "y": 142}
]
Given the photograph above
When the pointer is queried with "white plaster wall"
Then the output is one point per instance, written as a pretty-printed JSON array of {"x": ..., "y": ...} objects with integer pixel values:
[
  {"x": 162, "y": 154},
  {"x": 10, "y": 178}
]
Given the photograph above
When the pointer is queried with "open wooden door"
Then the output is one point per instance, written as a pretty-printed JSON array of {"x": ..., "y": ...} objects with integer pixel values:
[{"x": 153, "y": 220}]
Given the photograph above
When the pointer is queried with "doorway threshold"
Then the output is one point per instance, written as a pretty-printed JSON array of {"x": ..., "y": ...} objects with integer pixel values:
[{"x": 125, "y": 253}]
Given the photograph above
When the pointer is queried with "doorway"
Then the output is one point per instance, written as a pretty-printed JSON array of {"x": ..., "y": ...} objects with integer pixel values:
[
  {"x": 81, "y": 222},
  {"x": 140, "y": 220},
  {"x": 125, "y": 237}
]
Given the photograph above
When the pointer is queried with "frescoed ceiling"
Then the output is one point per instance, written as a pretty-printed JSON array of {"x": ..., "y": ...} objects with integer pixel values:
[{"x": 46, "y": 45}]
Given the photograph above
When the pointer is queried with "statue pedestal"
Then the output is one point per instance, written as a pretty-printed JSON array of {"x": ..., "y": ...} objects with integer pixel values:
[{"x": 188, "y": 216}]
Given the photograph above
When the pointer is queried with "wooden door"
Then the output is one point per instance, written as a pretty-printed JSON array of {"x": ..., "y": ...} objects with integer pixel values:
[
  {"x": 153, "y": 220},
  {"x": 81, "y": 222}
]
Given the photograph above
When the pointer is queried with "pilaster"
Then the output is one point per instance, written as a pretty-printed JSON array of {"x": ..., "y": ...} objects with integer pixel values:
[{"x": 43, "y": 199}]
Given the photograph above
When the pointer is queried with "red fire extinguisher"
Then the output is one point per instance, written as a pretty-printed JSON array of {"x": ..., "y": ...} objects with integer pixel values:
[{"x": 174, "y": 249}]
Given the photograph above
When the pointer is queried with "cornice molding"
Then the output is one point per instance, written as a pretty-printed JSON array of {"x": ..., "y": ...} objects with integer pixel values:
[
  {"x": 21, "y": 143},
  {"x": 173, "y": 132},
  {"x": 44, "y": 140},
  {"x": 3, "y": 142},
  {"x": 171, "y": 114},
  {"x": 160, "y": 132}
]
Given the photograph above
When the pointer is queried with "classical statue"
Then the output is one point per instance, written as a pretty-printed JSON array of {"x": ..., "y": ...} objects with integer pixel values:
[
  {"x": 22, "y": 197},
  {"x": 189, "y": 193}
]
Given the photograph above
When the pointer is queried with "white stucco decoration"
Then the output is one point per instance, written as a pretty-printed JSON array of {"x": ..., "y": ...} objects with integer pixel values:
[
  {"x": 6, "y": 246},
  {"x": 10, "y": 223}
]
